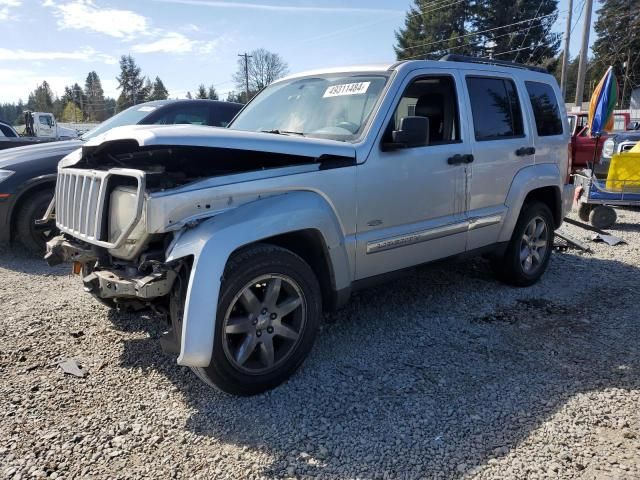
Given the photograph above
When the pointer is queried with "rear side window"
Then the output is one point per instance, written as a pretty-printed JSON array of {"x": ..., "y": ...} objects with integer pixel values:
[
  {"x": 495, "y": 107},
  {"x": 545, "y": 109},
  {"x": 5, "y": 131}
]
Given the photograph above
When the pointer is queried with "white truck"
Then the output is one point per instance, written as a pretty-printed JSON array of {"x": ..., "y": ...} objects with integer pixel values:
[
  {"x": 40, "y": 127},
  {"x": 326, "y": 182}
]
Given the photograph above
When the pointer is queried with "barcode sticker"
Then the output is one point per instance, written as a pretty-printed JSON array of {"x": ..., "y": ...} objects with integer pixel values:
[{"x": 347, "y": 89}]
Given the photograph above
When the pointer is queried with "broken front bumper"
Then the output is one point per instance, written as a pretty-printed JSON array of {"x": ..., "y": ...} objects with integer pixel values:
[{"x": 114, "y": 282}]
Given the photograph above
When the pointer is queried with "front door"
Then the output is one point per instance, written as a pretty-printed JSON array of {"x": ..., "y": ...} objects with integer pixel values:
[{"x": 411, "y": 201}]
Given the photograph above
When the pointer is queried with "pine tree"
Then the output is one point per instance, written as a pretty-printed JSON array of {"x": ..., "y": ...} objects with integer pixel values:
[
  {"x": 202, "y": 92},
  {"x": 618, "y": 44},
  {"x": 95, "y": 107},
  {"x": 158, "y": 91},
  {"x": 528, "y": 41},
  {"x": 131, "y": 82},
  {"x": 188, "y": 95},
  {"x": 41, "y": 99},
  {"x": 212, "y": 95},
  {"x": 431, "y": 31}
]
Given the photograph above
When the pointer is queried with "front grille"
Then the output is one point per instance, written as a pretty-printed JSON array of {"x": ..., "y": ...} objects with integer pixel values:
[
  {"x": 81, "y": 197},
  {"x": 625, "y": 147}
]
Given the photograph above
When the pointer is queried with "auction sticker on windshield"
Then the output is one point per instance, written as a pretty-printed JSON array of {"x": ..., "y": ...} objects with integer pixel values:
[{"x": 347, "y": 89}]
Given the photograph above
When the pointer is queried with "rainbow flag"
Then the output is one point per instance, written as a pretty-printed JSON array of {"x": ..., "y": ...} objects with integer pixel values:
[{"x": 603, "y": 101}]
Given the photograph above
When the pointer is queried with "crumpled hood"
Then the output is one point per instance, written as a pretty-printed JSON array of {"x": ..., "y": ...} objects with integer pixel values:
[
  {"x": 203, "y": 136},
  {"x": 17, "y": 155}
]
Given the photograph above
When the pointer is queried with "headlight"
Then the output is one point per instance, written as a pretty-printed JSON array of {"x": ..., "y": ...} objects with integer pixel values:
[
  {"x": 4, "y": 174},
  {"x": 607, "y": 148}
]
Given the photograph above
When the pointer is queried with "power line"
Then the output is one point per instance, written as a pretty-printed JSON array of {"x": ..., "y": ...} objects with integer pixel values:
[{"x": 476, "y": 33}]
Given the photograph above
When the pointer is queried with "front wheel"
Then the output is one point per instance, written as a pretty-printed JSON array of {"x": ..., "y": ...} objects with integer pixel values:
[
  {"x": 268, "y": 315},
  {"x": 31, "y": 235},
  {"x": 529, "y": 249}
]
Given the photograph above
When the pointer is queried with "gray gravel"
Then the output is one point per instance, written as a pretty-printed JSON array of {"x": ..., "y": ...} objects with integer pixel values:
[{"x": 443, "y": 374}]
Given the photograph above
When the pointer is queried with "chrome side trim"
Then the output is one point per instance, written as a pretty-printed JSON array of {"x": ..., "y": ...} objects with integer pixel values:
[
  {"x": 432, "y": 234},
  {"x": 416, "y": 237},
  {"x": 479, "y": 222}
]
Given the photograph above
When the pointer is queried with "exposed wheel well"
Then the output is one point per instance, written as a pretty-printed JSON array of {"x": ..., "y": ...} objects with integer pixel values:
[
  {"x": 24, "y": 196},
  {"x": 550, "y": 196},
  {"x": 310, "y": 246}
]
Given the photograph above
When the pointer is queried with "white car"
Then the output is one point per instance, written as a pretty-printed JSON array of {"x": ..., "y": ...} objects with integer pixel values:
[{"x": 326, "y": 182}]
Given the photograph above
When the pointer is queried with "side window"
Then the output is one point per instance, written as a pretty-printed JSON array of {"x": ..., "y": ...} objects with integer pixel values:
[
  {"x": 545, "y": 109},
  {"x": 434, "y": 98},
  {"x": 45, "y": 120},
  {"x": 495, "y": 107},
  {"x": 190, "y": 114},
  {"x": 5, "y": 131},
  {"x": 221, "y": 115}
]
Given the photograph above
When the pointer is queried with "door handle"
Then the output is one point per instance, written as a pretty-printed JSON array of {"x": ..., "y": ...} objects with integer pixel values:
[
  {"x": 525, "y": 151},
  {"x": 458, "y": 159}
]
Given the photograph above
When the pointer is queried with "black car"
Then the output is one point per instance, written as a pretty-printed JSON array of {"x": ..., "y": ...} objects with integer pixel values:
[{"x": 28, "y": 174}]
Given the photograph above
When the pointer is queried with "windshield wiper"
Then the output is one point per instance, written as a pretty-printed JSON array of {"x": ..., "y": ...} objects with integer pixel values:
[{"x": 283, "y": 132}]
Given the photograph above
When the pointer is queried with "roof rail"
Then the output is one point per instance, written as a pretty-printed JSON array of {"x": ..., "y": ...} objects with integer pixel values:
[{"x": 490, "y": 61}]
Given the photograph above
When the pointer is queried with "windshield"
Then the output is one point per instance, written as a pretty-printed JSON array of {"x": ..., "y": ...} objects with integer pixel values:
[
  {"x": 336, "y": 107},
  {"x": 130, "y": 116}
]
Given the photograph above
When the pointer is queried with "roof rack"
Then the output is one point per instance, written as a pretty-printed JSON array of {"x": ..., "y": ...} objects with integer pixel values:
[{"x": 490, "y": 61}]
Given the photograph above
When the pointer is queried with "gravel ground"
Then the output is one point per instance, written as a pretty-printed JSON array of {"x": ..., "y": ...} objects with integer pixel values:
[{"x": 443, "y": 374}]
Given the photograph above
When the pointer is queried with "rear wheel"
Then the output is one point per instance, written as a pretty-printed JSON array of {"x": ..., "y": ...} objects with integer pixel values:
[
  {"x": 34, "y": 237},
  {"x": 529, "y": 249},
  {"x": 268, "y": 315},
  {"x": 603, "y": 217}
]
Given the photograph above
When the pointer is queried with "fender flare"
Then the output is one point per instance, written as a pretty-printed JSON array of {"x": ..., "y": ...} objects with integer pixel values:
[
  {"x": 527, "y": 180},
  {"x": 213, "y": 241}
]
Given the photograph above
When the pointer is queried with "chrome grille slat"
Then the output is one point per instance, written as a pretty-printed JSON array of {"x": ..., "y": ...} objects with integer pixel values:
[{"x": 81, "y": 197}]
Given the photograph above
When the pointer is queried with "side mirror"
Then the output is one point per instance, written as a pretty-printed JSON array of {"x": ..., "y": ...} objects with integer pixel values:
[{"x": 413, "y": 132}]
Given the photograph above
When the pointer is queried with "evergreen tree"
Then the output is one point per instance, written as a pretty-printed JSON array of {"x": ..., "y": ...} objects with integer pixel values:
[
  {"x": 618, "y": 44},
  {"x": 95, "y": 106},
  {"x": 202, "y": 92},
  {"x": 431, "y": 31},
  {"x": 235, "y": 97},
  {"x": 131, "y": 82},
  {"x": 41, "y": 99},
  {"x": 530, "y": 42},
  {"x": 189, "y": 96},
  {"x": 158, "y": 91},
  {"x": 212, "y": 95}
]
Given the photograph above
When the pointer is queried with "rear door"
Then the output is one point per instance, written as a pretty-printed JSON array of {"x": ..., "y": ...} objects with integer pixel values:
[{"x": 502, "y": 145}]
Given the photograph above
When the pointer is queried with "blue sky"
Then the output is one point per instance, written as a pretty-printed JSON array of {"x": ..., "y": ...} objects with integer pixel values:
[{"x": 188, "y": 42}]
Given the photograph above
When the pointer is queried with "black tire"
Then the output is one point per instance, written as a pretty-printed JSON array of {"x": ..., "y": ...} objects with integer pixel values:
[
  {"x": 603, "y": 217},
  {"x": 34, "y": 237},
  {"x": 584, "y": 209},
  {"x": 243, "y": 267},
  {"x": 509, "y": 268}
]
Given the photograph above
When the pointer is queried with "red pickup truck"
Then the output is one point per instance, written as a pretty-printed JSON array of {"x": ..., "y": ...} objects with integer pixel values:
[{"x": 583, "y": 144}]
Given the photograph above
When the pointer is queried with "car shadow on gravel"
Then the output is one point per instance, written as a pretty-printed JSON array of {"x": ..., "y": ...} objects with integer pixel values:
[
  {"x": 18, "y": 259},
  {"x": 433, "y": 375}
]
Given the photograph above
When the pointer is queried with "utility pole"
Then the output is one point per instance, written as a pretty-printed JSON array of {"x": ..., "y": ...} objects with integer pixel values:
[
  {"x": 582, "y": 67},
  {"x": 565, "y": 56},
  {"x": 75, "y": 106},
  {"x": 246, "y": 74}
]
